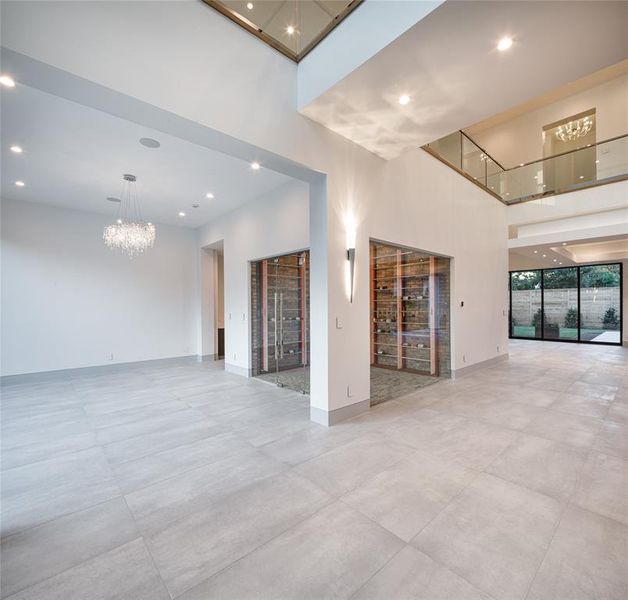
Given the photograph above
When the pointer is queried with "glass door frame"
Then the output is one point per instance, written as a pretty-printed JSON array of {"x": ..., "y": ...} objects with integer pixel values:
[
  {"x": 268, "y": 318},
  {"x": 579, "y": 292}
]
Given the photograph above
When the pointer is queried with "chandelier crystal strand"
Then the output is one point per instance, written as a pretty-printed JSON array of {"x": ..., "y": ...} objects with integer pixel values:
[
  {"x": 574, "y": 129},
  {"x": 130, "y": 233}
]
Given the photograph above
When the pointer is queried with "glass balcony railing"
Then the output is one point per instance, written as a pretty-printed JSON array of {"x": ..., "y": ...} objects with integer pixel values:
[{"x": 595, "y": 164}]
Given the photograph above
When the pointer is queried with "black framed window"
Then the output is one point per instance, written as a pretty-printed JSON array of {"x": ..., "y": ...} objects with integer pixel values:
[{"x": 568, "y": 304}]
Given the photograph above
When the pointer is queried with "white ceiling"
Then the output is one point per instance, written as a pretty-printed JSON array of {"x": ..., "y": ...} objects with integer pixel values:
[
  {"x": 570, "y": 253},
  {"x": 75, "y": 156},
  {"x": 449, "y": 65}
]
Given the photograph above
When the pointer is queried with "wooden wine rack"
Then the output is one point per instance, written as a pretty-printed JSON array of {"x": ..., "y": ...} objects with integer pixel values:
[{"x": 403, "y": 311}]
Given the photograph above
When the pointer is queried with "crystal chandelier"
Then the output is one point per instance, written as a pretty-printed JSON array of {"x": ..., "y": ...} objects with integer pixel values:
[
  {"x": 574, "y": 129},
  {"x": 130, "y": 233}
]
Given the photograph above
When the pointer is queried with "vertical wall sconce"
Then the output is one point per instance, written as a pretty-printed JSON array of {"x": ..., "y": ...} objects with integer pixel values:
[
  {"x": 351, "y": 234},
  {"x": 351, "y": 259}
]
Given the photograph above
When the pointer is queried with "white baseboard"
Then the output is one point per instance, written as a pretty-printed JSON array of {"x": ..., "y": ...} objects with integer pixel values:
[
  {"x": 456, "y": 373},
  {"x": 237, "y": 370},
  {"x": 331, "y": 417},
  {"x": 94, "y": 370}
]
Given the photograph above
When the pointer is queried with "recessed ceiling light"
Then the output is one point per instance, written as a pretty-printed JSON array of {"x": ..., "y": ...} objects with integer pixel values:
[
  {"x": 17, "y": 149},
  {"x": 7, "y": 81},
  {"x": 255, "y": 166},
  {"x": 504, "y": 44},
  {"x": 182, "y": 214},
  {"x": 536, "y": 252},
  {"x": 112, "y": 199},
  {"x": 564, "y": 243},
  {"x": 249, "y": 5},
  {"x": 560, "y": 263},
  {"x": 555, "y": 260},
  {"x": 19, "y": 183},
  {"x": 545, "y": 256},
  {"x": 149, "y": 142},
  {"x": 290, "y": 29},
  {"x": 581, "y": 177},
  {"x": 209, "y": 195},
  {"x": 404, "y": 99}
]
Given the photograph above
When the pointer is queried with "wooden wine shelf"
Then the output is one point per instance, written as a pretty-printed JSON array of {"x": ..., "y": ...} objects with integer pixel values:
[{"x": 393, "y": 283}]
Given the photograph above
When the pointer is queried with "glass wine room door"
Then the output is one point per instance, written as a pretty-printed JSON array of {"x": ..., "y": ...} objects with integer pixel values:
[
  {"x": 280, "y": 324},
  {"x": 409, "y": 320}
]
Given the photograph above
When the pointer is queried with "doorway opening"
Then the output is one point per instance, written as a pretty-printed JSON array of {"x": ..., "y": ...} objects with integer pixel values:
[
  {"x": 280, "y": 309},
  {"x": 410, "y": 320},
  {"x": 219, "y": 303}
]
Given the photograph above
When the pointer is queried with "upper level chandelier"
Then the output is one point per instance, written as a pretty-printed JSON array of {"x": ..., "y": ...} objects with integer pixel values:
[
  {"x": 130, "y": 233},
  {"x": 574, "y": 129}
]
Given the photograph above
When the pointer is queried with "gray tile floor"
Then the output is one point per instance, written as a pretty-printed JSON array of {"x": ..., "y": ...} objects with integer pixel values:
[
  {"x": 183, "y": 481},
  {"x": 386, "y": 384}
]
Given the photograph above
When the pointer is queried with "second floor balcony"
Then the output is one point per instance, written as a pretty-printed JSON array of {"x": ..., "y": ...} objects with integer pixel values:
[{"x": 595, "y": 164}]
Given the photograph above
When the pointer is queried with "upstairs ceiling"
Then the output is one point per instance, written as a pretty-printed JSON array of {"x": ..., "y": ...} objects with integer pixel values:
[{"x": 449, "y": 67}]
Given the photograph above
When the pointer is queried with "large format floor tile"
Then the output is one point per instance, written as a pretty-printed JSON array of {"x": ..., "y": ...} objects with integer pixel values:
[
  {"x": 181, "y": 480},
  {"x": 412, "y": 575},
  {"x": 126, "y": 572},
  {"x": 603, "y": 487},
  {"x": 494, "y": 535},
  {"x": 450, "y": 437},
  {"x": 407, "y": 496},
  {"x": 342, "y": 469},
  {"x": 586, "y": 559},
  {"x": 33, "y": 555},
  {"x": 329, "y": 555},
  {"x": 543, "y": 465},
  {"x": 156, "y": 506},
  {"x": 196, "y": 547},
  {"x": 139, "y": 473},
  {"x": 613, "y": 439},
  {"x": 36, "y": 493},
  {"x": 576, "y": 430}
]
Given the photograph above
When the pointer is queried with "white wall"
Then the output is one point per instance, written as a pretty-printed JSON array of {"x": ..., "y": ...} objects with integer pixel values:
[
  {"x": 520, "y": 140},
  {"x": 273, "y": 224},
  {"x": 604, "y": 198},
  {"x": 426, "y": 205},
  {"x": 369, "y": 29},
  {"x": 419, "y": 203},
  {"x": 197, "y": 64},
  {"x": 68, "y": 301}
]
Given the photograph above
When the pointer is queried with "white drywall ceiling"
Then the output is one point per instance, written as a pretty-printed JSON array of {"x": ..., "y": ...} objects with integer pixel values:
[
  {"x": 74, "y": 156},
  {"x": 449, "y": 65}
]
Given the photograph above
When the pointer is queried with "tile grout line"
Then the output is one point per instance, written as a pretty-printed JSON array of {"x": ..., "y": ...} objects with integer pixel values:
[{"x": 293, "y": 526}]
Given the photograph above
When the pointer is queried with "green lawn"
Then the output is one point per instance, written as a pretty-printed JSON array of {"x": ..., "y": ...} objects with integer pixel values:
[{"x": 565, "y": 333}]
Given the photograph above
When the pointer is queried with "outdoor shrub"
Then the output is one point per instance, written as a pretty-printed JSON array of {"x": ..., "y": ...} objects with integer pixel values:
[
  {"x": 611, "y": 319},
  {"x": 571, "y": 318},
  {"x": 536, "y": 319}
]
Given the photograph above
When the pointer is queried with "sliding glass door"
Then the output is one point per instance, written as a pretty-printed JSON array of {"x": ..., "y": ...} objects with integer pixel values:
[
  {"x": 570, "y": 304},
  {"x": 560, "y": 304},
  {"x": 525, "y": 304},
  {"x": 600, "y": 303}
]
